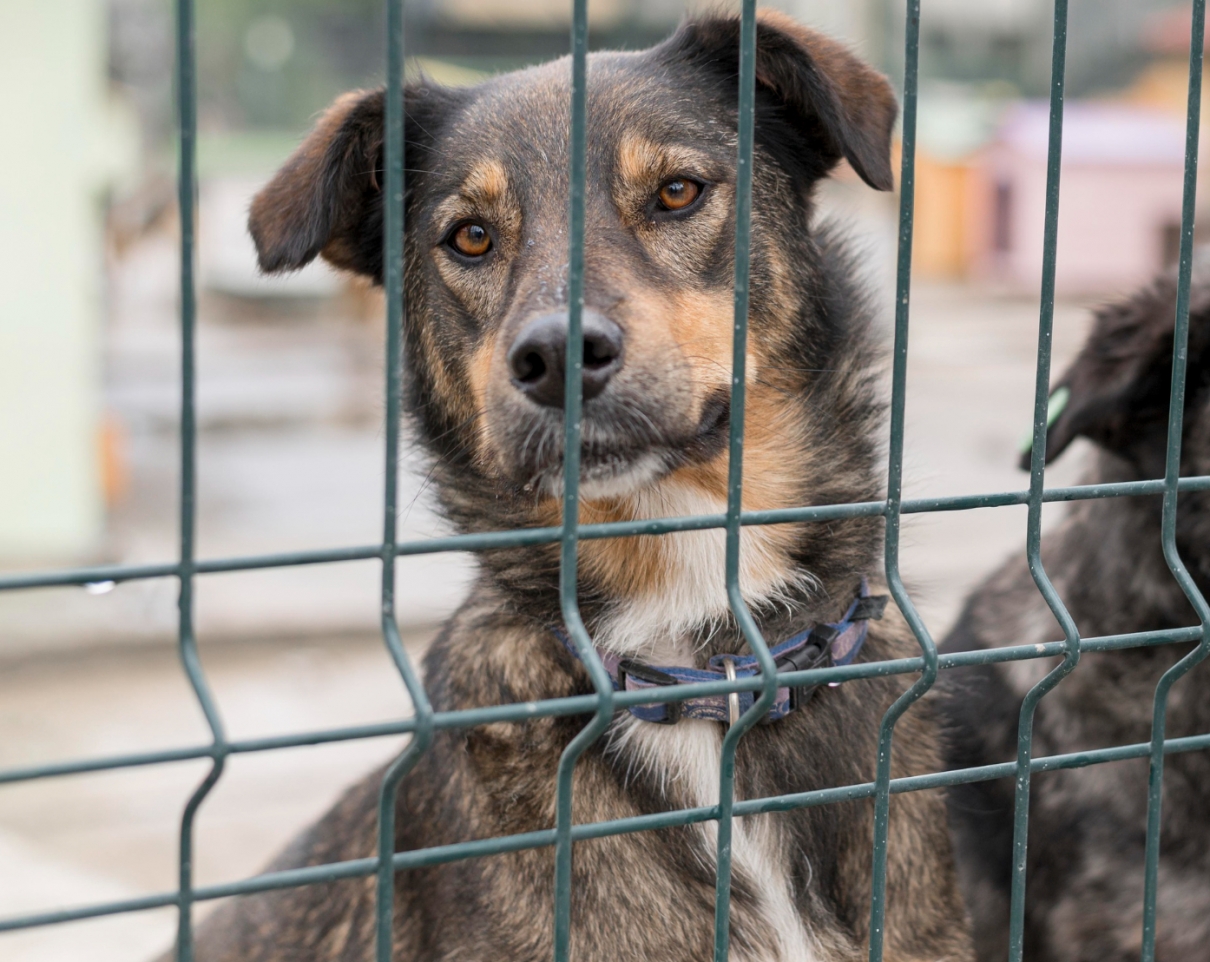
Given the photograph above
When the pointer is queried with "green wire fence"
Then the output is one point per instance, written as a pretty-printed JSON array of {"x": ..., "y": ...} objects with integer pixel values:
[{"x": 602, "y": 705}]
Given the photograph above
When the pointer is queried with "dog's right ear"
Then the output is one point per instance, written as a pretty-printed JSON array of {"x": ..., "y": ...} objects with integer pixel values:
[
  {"x": 838, "y": 105},
  {"x": 1118, "y": 386},
  {"x": 327, "y": 198}
]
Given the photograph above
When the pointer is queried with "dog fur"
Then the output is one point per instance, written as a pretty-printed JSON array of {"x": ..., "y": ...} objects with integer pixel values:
[
  {"x": 495, "y": 156},
  {"x": 1087, "y": 826}
]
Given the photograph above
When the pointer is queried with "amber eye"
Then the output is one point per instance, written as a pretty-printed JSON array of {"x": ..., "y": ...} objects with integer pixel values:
[
  {"x": 471, "y": 240},
  {"x": 678, "y": 194}
]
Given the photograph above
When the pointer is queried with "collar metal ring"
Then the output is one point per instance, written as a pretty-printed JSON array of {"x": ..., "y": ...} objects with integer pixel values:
[{"x": 732, "y": 697}]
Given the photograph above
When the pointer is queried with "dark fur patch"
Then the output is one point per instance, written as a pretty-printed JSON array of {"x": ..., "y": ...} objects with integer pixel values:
[
  {"x": 1120, "y": 382},
  {"x": 1087, "y": 826}
]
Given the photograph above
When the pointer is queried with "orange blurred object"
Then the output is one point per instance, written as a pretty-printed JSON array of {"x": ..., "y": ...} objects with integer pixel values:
[
  {"x": 942, "y": 241},
  {"x": 112, "y": 458}
]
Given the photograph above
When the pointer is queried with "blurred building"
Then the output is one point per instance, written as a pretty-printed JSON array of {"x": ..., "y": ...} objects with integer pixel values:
[
  {"x": 981, "y": 157},
  {"x": 981, "y": 193},
  {"x": 1010, "y": 41},
  {"x": 1120, "y": 200},
  {"x": 64, "y": 147}
]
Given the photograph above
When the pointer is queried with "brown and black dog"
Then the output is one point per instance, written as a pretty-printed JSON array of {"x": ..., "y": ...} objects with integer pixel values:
[
  {"x": 1084, "y": 899},
  {"x": 486, "y": 328}
]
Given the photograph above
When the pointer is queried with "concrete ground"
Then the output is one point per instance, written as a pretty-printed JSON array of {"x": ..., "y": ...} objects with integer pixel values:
[
  {"x": 290, "y": 455},
  {"x": 100, "y": 837}
]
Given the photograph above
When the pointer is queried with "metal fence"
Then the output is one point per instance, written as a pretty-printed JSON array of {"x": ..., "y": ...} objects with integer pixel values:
[{"x": 606, "y": 701}]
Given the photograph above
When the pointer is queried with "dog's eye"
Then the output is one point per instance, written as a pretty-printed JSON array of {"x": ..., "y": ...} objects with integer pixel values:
[
  {"x": 677, "y": 194},
  {"x": 471, "y": 240}
]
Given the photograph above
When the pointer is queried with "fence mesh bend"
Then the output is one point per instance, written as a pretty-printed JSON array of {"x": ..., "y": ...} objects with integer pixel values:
[{"x": 601, "y": 705}]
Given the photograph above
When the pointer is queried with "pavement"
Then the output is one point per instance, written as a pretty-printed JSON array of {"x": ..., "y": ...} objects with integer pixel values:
[
  {"x": 95, "y": 838},
  {"x": 290, "y": 457}
]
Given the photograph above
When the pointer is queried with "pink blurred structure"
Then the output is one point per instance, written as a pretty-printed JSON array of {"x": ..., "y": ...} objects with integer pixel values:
[{"x": 1120, "y": 201}]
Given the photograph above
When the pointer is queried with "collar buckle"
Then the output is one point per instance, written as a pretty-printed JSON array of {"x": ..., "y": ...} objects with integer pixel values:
[{"x": 811, "y": 655}]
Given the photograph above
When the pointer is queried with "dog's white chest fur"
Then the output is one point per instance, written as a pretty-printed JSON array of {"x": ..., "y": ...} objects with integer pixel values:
[
  {"x": 684, "y": 760},
  {"x": 694, "y": 593}
]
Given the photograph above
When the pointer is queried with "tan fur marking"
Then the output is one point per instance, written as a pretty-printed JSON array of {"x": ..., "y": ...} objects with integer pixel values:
[
  {"x": 480, "y": 368},
  {"x": 485, "y": 193},
  {"x": 479, "y": 371},
  {"x": 783, "y": 290},
  {"x": 700, "y": 322},
  {"x": 643, "y": 161},
  {"x": 487, "y": 183},
  {"x": 640, "y": 161},
  {"x": 775, "y": 455},
  {"x": 643, "y": 166},
  {"x": 691, "y": 325},
  {"x": 633, "y": 565}
]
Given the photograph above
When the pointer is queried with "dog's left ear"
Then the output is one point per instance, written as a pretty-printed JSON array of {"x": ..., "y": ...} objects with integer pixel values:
[
  {"x": 1116, "y": 391},
  {"x": 839, "y": 103},
  {"x": 327, "y": 198}
]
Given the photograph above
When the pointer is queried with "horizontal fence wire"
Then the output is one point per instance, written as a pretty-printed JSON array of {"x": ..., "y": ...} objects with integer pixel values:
[
  {"x": 578, "y": 705},
  {"x": 599, "y": 707},
  {"x": 436, "y": 855},
  {"x": 529, "y": 537}
]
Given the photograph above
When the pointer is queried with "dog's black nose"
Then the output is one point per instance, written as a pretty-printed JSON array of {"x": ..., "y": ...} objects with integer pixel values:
[{"x": 536, "y": 359}]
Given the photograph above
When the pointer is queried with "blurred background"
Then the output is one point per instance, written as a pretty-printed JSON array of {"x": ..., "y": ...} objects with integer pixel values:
[{"x": 290, "y": 378}]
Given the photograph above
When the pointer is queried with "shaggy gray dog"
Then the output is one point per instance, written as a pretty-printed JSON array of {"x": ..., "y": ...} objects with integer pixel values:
[{"x": 1088, "y": 826}]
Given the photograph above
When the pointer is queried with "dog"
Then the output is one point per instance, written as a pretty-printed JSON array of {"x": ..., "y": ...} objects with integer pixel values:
[
  {"x": 485, "y": 337},
  {"x": 1087, "y": 829}
]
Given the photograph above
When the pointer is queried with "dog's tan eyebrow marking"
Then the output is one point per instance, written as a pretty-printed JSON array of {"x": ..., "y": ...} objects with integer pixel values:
[
  {"x": 641, "y": 160},
  {"x": 484, "y": 192},
  {"x": 486, "y": 184}
]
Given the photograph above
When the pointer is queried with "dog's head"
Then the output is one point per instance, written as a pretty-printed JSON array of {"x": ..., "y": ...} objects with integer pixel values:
[
  {"x": 487, "y": 217},
  {"x": 486, "y": 281},
  {"x": 1117, "y": 389}
]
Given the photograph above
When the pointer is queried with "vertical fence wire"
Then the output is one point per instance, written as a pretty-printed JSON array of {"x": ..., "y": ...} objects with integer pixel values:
[
  {"x": 186, "y": 90},
  {"x": 569, "y": 540},
  {"x": 1172, "y": 467},
  {"x": 894, "y": 501},
  {"x": 393, "y": 255},
  {"x": 745, "y": 135},
  {"x": 1037, "y": 471}
]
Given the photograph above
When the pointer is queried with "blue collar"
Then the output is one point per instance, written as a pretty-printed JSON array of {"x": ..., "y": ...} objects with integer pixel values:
[{"x": 835, "y": 643}]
